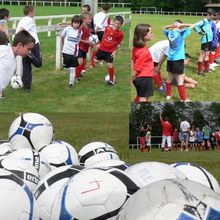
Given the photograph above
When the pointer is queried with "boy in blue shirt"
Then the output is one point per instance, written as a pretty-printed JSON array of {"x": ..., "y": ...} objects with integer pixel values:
[
  {"x": 176, "y": 56},
  {"x": 199, "y": 139}
]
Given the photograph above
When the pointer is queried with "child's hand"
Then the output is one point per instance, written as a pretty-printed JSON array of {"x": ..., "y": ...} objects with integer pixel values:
[{"x": 113, "y": 54}]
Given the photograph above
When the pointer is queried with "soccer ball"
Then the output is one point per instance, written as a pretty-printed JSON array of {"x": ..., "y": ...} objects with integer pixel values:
[
  {"x": 60, "y": 154},
  {"x": 107, "y": 78},
  {"x": 217, "y": 60},
  {"x": 149, "y": 172},
  {"x": 95, "y": 152},
  {"x": 5, "y": 150},
  {"x": 93, "y": 39},
  {"x": 119, "y": 164},
  {"x": 33, "y": 158},
  {"x": 17, "y": 201},
  {"x": 92, "y": 194},
  {"x": 30, "y": 130},
  {"x": 16, "y": 82},
  {"x": 198, "y": 174},
  {"x": 22, "y": 169},
  {"x": 172, "y": 199},
  {"x": 50, "y": 185}
]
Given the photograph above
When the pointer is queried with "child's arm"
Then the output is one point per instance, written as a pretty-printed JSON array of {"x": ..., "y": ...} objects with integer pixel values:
[
  {"x": 133, "y": 73},
  {"x": 169, "y": 26},
  {"x": 158, "y": 68}
]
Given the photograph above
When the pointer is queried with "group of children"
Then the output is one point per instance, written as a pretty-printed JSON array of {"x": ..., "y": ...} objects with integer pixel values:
[{"x": 147, "y": 62}]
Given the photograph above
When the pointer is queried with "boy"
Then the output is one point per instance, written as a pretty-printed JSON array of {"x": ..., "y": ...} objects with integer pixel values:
[
  {"x": 175, "y": 139},
  {"x": 217, "y": 138},
  {"x": 71, "y": 36},
  {"x": 176, "y": 57},
  {"x": 184, "y": 128},
  {"x": 112, "y": 40},
  {"x": 204, "y": 28},
  {"x": 206, "y": 132},
  {"x": 4, "y": 17},
  {"x": 199, "y": 140},
  {"x": 27, "y": 23},
  {"x": 22, "y": 45}
]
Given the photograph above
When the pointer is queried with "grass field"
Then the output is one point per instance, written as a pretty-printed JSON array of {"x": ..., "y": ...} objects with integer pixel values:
[
  {"x": 50, "y": 87},
  {"x": 208, "y": 85}
]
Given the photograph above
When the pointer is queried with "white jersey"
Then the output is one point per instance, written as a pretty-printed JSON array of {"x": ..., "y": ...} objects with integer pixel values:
[
  {"x": 29, "y": 25},
  {"x": 184, "y": 126},
  {"x": 100, "y": 21},
  {"x": 7, "y": 65},
  {"x": 71, "y": 40},
  {"x": 148, "y": 138},
  {"x": 159, "y": 49},
  {"x": 192, "y": 136}
]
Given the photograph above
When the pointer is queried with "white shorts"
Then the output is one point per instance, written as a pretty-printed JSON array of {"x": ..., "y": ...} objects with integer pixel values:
[{"x": 166, "y": 139}]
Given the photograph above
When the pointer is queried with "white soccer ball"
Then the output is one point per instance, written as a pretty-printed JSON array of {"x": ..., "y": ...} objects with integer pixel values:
[
  {"x": 60, "y": 154},
  {"x": 16, "y": 82},
  {"x": 22, "y": 169},
  {"x": 30, "y": 130},
  {"x": 107, "y": 78},
  {"x": 5, "y": 150},
  {"x": 33, "y": 158},
  {"x": 93, "y": 39},
  {"x": 50, "y": 185},
  {"x": 171, "y": 200},
  {"x": 198, "y": 174},
  {"x": 95, "y": 152},
  {"x": 146, "y": 173},
  {"x": 17, "y": 201},
  {"x": 92, "y": 194}
]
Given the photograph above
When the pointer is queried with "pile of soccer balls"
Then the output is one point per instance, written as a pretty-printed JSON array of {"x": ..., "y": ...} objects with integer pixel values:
[{"x": 43, "y": 178}]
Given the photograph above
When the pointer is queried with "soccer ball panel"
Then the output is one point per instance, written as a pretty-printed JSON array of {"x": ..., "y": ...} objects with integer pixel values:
[{"x": 93, "y": 39}]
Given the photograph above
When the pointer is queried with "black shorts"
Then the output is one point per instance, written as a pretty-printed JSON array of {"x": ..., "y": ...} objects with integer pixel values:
[
  {"x": 106, "y": 56},
  {"x": 206, "y": 46},
  {"x": 213, "y": 48},
  {"x": 156, "y": 64},
  {"x": 100, "y": 35},
  {"x": 82, "y": 54},
  {"x": 175, "y": 67},
  {"x": 144, "y": 86},
  {"x": 69, "y": 61}
]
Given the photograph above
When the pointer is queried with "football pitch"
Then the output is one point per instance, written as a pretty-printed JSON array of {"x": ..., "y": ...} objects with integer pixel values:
[
  {"x": 51, "y": 92},
  {"x": 207, "y": 89}
]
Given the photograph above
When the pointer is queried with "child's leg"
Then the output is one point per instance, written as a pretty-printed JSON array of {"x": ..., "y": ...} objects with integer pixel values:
[
  {"x": 157, "y": 79},
  {"x": 181, "y": 86},
  {"x": 93, "y": 60},
  {"x": 169, "y": 84},
  {"x": 72, "y": 76},
  {"x": 111, "y": 72},
  {"x": 207, "y": 61},
  {"x": 79, "y": 68},
  {"x": 200, "y": 62}
]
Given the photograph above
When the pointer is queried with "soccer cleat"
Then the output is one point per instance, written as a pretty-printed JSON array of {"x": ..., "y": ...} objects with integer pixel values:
[
  {"x": 215, "y": 64},
  {"x": 71, "y": 85},
  {"x": 162, "y": 89},
  {"x": 168, "y": 97},
  {"x": 110, "y": 83},
  {"x": 187, "y": 100}
]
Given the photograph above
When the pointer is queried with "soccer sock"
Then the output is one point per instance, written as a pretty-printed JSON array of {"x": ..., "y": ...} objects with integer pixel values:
[
  {"x": 169, "y": 89},
  {"x": 111, "y": 73},
  {"x": 200, "y": 67},
  {"x": 78, "y": 71},
  {"x": 157, "y": 80},
  {"x": 182, "y": 92},
  {"x": 92, "y": 59},
  {"x": 211, "y": 58},
  {"x": 84, "y": 64},
  {"x": 136, "y": 99},
  {"x": 206, "y": 65},
  {"x": 72, "y": 75}
]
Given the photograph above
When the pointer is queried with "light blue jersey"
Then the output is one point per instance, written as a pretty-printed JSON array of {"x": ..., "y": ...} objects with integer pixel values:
[
  {"x": 204, "y": 26},
  {"x": 176, "y": 43}
]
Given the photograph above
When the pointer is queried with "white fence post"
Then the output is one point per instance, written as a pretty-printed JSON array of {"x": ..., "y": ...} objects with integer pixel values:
[
  {"x": 49, "y": 24},
  {"x": 58, "y": 51}
]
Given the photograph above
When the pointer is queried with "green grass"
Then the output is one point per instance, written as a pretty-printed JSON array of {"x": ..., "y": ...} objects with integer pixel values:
[
  {"x": 50, "y": 87},
  {"x": 208, "y": 85},
  {"x": 208, "y": 160}
]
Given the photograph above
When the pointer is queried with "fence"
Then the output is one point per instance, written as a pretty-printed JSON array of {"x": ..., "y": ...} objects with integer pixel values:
[{"x": 60, "y": 4}]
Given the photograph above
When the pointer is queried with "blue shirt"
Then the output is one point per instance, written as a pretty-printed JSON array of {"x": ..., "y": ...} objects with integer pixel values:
[
  {"x": 199, "y": 137},
  {"x": 205, "y": 26},
  {"x": 176, "y": 43},
  {"x": 206, "y": 131},
  {"x": 215, "y": 35}
]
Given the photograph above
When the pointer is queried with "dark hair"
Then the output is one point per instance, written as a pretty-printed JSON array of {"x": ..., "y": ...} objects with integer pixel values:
[
  {"x": 23, "y": 37},
  {"x": 4, "y": 13},
  {"x": 27, "y": 9},
  {"x": 87, "y": 7},
  {"x": 76, "y": 19},
  {"x": 187, "y": 56},
  {"x": 106, "y": 6},
  {"x": 119, "y": 18},
  {"x": 3, "y": 38},
  {"x": 140, "y": 31},
  {"x": 210, "y": 11},
  {"x": 179, "y": 21}
]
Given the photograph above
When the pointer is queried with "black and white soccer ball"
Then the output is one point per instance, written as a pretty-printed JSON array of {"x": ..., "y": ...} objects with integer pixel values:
[
  {"x": 93, "y": 39},
  {"x": 16, "y": 82}
]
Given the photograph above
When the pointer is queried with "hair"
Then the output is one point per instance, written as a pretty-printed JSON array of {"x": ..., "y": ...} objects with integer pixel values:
[
  {"x": 87, "y": 7},
  {"x": 27, "y": 9},
  {"x": 119, "y": 18},
  {"x": 23, "y": 37},
  {"x": 76, "y": 19},
  {"x": 179, "y": 21},
  {"x": 140, "y": 31},
  {"x": 187, "y": 56},
  {"x": 4, "y": 13},
  {"x": 3, "y": 38},
  {"x": 210, "y": 12},
  {"x": 106, "y": 6},
  {"x": 85, "y": 15}
]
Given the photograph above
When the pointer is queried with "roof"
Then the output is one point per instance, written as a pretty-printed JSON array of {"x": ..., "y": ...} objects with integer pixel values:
[{"x": 213, "y": 5}]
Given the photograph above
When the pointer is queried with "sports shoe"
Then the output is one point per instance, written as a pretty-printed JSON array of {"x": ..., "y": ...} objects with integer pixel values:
[
  {"x": 71, "y": 85},
  {"x": 187, "y": 100},
  {"x": 201, "y": 73},
  {"x": 92, "y": 65},
  {"x": 110, "y": 83},
  {"x": 212, "y": 68},
  {"x": 168, "y": 97},
  {"x": 215, "y": 64},
  {"x": 162, "y": 89}
]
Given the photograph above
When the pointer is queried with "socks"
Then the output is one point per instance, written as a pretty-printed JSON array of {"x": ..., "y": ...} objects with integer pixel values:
[
  {"x": 84, "y": 64},
  {"x": 157, "y": 80},
  {"x": 136, "y": 99},
  {"x": 78, "y": 71},
  {"x": 200, "y": 67},
  {"x": 111, "y": 73},
  {"x": 211, "y": 58},
  {"x": 92, "y": 64},
  {"x": 72, "y": 75},
  {"x": 182, "y": 92},
  {"x": 207, "y": 65},
  {"x": 169, "y": 89}
]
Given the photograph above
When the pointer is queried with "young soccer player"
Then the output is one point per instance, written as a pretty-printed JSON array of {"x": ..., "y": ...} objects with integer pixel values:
[
  {"x": 71, "y": 36},
  {"x": 217, "y": 138},
  {"x": 184, "y": 128},
  {"x": 142, "y": 139},
  {"x": 175, "y": 139},
  {"x": 27, "y": 23},
  {"x": 112, "y": 40},
  {"x": 204, "y": 27},
  {"x": 192, "y": 138},
  {"x": 142, "y": 63},
  {"x": 176, "y": 56},
  {"x": 199, "y": 140},
  {"x": 4, "y": 17},
  {"x": 22, "y": 45},
  {"x": 148, "y": 139},
  {"x": 206, "y": 132}
]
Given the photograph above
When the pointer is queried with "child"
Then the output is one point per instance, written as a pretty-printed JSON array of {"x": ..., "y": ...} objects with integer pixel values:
[
  {"x": 192, "y": 138},
  {"x": 4, "y": 17},
  {"x": 206, "y": 132},
  {"x": 22, "y": 45},
  {"x": 148, "y": 139},
  {"x": 176, "y": 56},
  {"x": 111, "y": 41},
  {"x": 199, "y": 140},
  {"x": 217, "y": 138},
  {"x": 204, "y": 28},
  {"x": 142, "y": 139},
  {"x": 142, "y": 63},
  {"x": 71, "y": 36},
  {"x": 175, "y": 139}
]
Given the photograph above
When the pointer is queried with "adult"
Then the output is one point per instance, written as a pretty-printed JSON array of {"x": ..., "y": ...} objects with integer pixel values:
[{"x": 185, "y": 129}]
